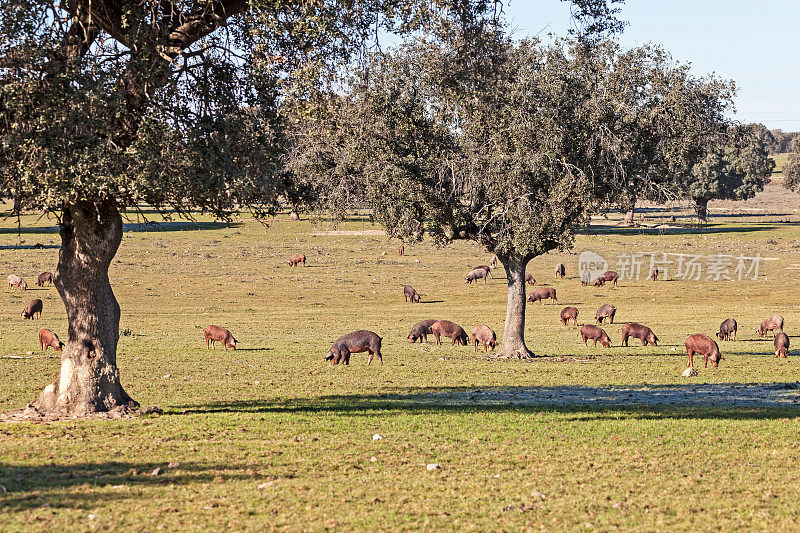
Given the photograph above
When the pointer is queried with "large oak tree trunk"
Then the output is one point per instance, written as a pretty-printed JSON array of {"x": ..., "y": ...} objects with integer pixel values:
[
  {"x": 514, "y": 332},
  {"x": 89, "y": 380},
  {"x": 701, "y": 207}
]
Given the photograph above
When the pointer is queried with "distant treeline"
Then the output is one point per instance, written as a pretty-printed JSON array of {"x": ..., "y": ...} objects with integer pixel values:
[{"x": 782, "y": 141}]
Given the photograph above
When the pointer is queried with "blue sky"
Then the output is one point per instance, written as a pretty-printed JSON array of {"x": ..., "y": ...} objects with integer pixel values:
[{"x": 754, "y": 43}]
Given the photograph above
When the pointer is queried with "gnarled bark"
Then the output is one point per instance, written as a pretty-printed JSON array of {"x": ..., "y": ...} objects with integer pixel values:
[
  {"x": 514, "y": 331},
  {"x": 89, "y": 380}
]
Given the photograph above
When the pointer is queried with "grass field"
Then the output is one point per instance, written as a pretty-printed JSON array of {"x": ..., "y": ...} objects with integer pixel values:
[{"x": 270, "y": 437}]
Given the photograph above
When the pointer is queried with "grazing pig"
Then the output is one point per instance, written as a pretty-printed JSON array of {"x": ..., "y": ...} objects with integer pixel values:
[
  {"x": 705, "y": 346},
  {"x": 493, "y": 261},
  {"x": 529, "y": 279},
  {"x": 33, "y": 310},
  {"x": 215, "y": 333},
  {"x": 638, "y": 331},
  {"x": 484, "y": 334},
  {"x": 727, "y": 329},
  {"x": 771, "y": 323},
  {"x": 589, "y": 331},
  {"x": 561, "y": 271},
  {"x": 543, "y": 293},
  {"x": 478, "y": 273},
  {"x": 449, "y": 329},
  {"x": 608, "y": 275},
  {"x": 605, "y": 311},
  {"x": 410, "y": 294},
  {"x": 654, "y": 274},
  {"x": 48, "y": 339},
  {"x": 781, "y": 345},
  {"x": 569, "y": 313},
  {"x": 487, "y": 268},
  {"x": 297, "y": 258},
  {"x": 420, "y": 331},
  {"x": 15, "y": 281},
  {"x": 44, "y": 277},
  {"x": 355, "y": 342},
  {"x": 401, "y": 250}
]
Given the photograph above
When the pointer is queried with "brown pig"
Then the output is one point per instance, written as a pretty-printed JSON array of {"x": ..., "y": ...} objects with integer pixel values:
[
  {"x": 638, "y": 331},
  {"x": 727, "y": 329},
  {"x": 17, "y": 282},
  {"x": 561, "y": 271},
  {"x": 781, "y": 345},
  {"x": 705, "y": 346},
  {"x": 410, "y": 294},
  {"x": 485, "y": 335},
  {"x": 605, "y": 311},
  {"x": 449, "y": 329},
  {"x": 33, "y": 310},
  {"x": 44, "y": 277},
  {"x": 771, "y": 323},
  {"x": 48, "y": 339},
  {"x": 589, "y": 331},
  {"x": 296, "y": 259},
  {"x": 481, "y": 272},
  {"x": 569, "y": 313},
  {"x": 608, "y": 275},
  {"x": 529, "y": 279},
  {"x": 355, "y": 342},
  {"x": 420, "y": 331},
  {"x": 215, "y": 333},
  {"x": 543, "y": 293}
]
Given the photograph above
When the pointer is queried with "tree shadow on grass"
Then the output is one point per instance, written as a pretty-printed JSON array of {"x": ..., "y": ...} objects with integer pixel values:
[
  {"x": 53, "y": 485},
  {"x": 702, "y": 401},
  {"x": 179, "y": 225},
  {"x": 609, "y": 229}
]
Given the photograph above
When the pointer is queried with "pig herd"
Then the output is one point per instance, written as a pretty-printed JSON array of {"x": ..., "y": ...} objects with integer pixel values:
[
  {"x": 33, "y": 311},
  {"x": 700, "y": 344},
  {"x": 368, "y": 341},
  {"x": 48, "y": 339}
]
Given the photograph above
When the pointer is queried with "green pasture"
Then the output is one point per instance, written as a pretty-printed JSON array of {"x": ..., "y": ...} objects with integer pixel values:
[{"x": 270, "y": 437}]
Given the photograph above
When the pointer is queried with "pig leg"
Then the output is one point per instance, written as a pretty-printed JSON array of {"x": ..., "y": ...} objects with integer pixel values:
[
  {"x": 369, "y": 359},
  {"x": 691, "y": 357},
  {"x": 438, "y": 340}
]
